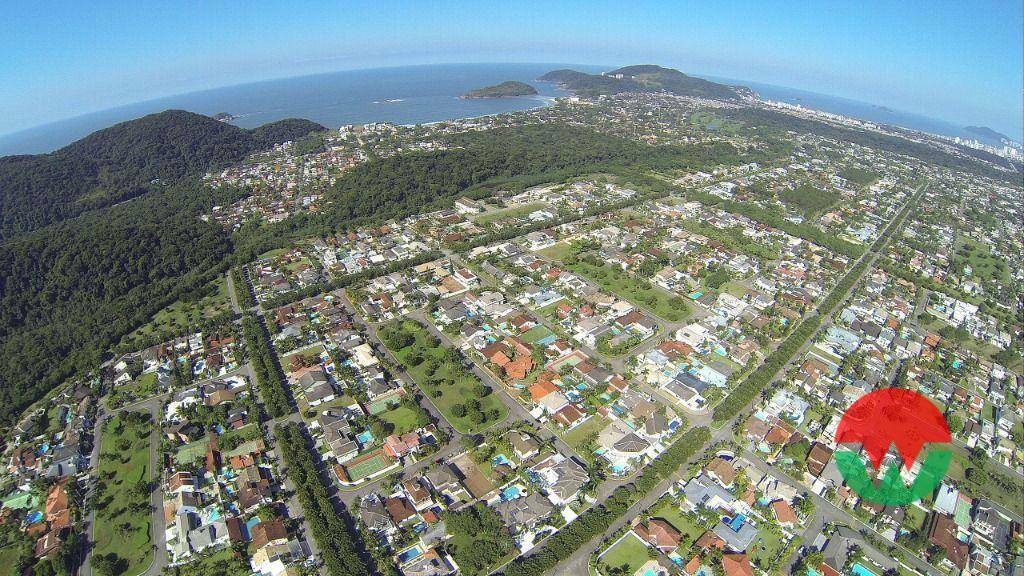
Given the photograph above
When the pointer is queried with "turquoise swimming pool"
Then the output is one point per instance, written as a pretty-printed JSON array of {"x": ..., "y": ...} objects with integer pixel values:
[
  {"x": 409, "y": 554},
  {"x": 510, "y": 493},
  {"x": 859, "y": 569}
]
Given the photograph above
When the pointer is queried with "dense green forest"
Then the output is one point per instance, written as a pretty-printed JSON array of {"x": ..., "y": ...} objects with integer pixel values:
[
  {"x": 124, "y": 161},
  {"x": 72, "y": 289},
  {"x": 401, "y": 185},
  {"x": 640, "y": 78},
  {"x": 503, "y": 90}
]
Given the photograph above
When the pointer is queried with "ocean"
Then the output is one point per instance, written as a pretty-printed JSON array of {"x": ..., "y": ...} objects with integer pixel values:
[
  {"x": 404, "y": 95},
  {"x": 401, "y": 95}
]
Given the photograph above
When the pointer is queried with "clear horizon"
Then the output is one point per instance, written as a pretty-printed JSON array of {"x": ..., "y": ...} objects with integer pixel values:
[{"x": 944, "y": 60}]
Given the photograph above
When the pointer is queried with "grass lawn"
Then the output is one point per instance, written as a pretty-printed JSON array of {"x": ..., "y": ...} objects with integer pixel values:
[
  {"x": 577, "y": 437},
  {"x": 403, "y": 418},
  {"x": 446, "y": 384},
  {"x": 639, "y": 292},
  {"x": 915, "y": 517},
  {"x": 766, "y": 548},
  {"x": 629, "y": 551},
  {"x": 188, "y": 453},
  {"x": 141, "y": 388},
  {"x": 557, "y": 252},
  {"x": 223, "y": 563},
  {"x": 734, "y": 288},
  {"x": 514, "y": 212},
  {"x": 175, "y": 318},
  {"x": 123, "y": 515},
  {"x": 248, "y": 432},
  {"x": 691, "y": 528},
  {"x": 9, "y": 556},
  {"x": 537, "y": 333}
]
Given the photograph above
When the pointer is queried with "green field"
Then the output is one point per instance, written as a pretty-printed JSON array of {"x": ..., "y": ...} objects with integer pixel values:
[
  {"x": 179, "y": 316},
  {"x": 985, "y": 266},
  {"x": 514, "y": 212},
  {"x": 579, "y": 436},
  {"x": 557, "y": 252},
  {"x": 447, "y": 384},
  {"x": 123, "y": 508},
  {"x": 638, "y": 292},
  {"x": 141, "y": 388},
  {"x": 401, "y": 417},
  {"x": 222, "y": 562},
  {"x": 9, "y": 556},
  {"x": 629, "y": 551},
  {"x": 537, "y": 333},
  {"x": 690, "y": 527},
  {"x": 766, "y": 548}
]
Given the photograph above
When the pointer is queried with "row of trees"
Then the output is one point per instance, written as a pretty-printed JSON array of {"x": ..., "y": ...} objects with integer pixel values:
[
  {"x": 338, "y": 542},
  {"x": 596, "y": 521},
  {"x": 265, "y": 366},
  {"x": 242, "y": 289}
]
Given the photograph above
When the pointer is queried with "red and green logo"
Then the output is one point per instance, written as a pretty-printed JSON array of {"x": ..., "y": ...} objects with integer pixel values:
[{"x": 877, "y": 421}]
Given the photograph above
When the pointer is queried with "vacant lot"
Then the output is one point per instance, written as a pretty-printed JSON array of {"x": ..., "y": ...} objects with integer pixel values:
[
  {"x": 514, "y": 212},
  {"x": 438, "y": 371},
  {"x": 179, "y": 316},
  {"x": 629, "y": 551},
  {"x": 123, "y": 507},
  {"x": 638, "y": 292}
]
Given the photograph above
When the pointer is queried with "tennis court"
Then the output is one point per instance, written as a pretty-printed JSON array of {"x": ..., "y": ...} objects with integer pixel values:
[{"x": 367, "y": 464}]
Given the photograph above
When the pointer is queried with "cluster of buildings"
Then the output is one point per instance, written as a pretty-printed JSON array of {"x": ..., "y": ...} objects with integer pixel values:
[
  {"x": 48, "y": 458},
  {"x": 533, "y": 489}
]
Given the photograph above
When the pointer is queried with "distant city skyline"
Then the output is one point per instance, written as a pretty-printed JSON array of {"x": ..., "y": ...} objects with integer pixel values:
[{"x": 950, "y": 61}]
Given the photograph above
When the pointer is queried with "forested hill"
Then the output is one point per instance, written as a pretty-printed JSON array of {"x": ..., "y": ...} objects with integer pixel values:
[
  {"x": 503, "y": 90},
  {"x": 642, "y": 78},
  {"x": 78, "y": 275},
  {"x": 122, "y": 162}
]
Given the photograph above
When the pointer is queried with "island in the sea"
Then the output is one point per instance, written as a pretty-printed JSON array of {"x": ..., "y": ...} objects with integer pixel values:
[
  {"x": 224, "y": 116},
  {"x": 503, "y": 90}
]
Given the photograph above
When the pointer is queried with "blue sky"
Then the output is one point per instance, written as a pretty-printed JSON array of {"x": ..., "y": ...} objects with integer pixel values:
[{"x": 956, "y": 61}]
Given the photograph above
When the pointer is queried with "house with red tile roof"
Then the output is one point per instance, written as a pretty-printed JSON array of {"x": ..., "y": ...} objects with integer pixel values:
[
  {"x": 659, "y": 534},
  {"x": 784, "y": 514},
  {"x": 736, "y": 565},
  {"x": 569, "y": 416}
]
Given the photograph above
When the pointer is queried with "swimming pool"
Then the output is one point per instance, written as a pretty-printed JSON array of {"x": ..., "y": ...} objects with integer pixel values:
[
  {"x": 510, "y": 493},
  {"x": 859, "y": 570},
  {"x": 409, "y": 554},
  {"x": 365, "y": 437},
  {"x": 501, "y": 459}
]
